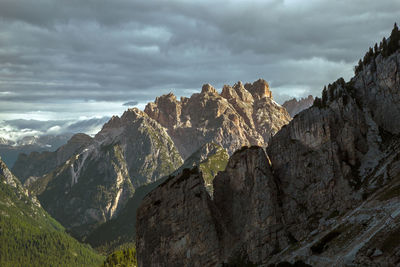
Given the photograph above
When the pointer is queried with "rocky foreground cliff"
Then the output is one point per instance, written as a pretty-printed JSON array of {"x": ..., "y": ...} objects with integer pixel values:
[{"x": 325, "y": 193}]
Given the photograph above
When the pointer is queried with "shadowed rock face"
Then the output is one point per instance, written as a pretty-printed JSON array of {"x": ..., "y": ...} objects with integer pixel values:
[
  {"x": 178, "y": 224},
  {"x": 325, "y": 194},
  {"x": 316, "y": 160},
  {"x": 246, "y": 196},
  {"x": 240, "y": 115},
  {"x": 325, "y": 156}
]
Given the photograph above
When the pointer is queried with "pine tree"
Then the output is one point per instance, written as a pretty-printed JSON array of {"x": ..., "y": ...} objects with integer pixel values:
[
  {"x": 317, "y": 102},
  {"x": 393, "y": 43},
  {"x": 324, "y": 96},
  {"x": 359, "y": 67},
  {"x": 376, "y": 49},
  {"x": 384, "y": 47}
]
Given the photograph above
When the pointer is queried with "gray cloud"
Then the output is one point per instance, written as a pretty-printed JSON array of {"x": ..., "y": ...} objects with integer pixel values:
[
  {"x": 20, "y": 128},
  {"x": 65, "y": 59},
  {"x": 131, "y": 103}
]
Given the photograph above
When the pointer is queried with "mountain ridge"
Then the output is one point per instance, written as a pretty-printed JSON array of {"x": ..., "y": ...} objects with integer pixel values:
[{"x": 93, "y": 178}]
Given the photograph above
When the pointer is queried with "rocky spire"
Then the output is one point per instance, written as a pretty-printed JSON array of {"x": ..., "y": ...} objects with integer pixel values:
[
  {"x": 259, "y": 89},
  {"x": 230, "y": 119}
]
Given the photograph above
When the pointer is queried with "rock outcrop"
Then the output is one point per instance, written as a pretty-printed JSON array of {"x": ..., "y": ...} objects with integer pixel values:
[
  {"x": 240, "y": 115},
  {"x": 246, "y": 195},
  {"x": 235, "y": 222},
  {"x": 177, "y": 226},
  {"x": 326, "y": 194},
  {"x": 294, "y": 106},
  {"x": 8, "y": 178}
]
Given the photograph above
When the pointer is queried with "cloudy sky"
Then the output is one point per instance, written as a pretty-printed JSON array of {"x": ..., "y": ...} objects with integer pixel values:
[{"x": 75, "y": 60}]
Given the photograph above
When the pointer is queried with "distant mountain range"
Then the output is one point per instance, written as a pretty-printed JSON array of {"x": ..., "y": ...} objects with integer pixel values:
[
  {"x": 88, "y": 181},
  {"x": 26, "y": 136},
  {"x": 9, "y": 150}
]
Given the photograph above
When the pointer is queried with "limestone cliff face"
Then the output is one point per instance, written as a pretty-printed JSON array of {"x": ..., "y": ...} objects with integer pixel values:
[
  {"x": 177, "y": 224},
  {"x": 240, "y": 115},
  {"x": 316, "y": 160},
  {"x": 324, "y": 195},
  {"x": 92, "y": 186},
  {"x": 294, "y": 106},
  {"x": 8, "y": 178},
  {"x": 331, "y": 152},
  {"x": 246, "y": 195}
]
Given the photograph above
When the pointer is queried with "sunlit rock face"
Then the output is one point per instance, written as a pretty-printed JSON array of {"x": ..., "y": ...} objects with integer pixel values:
[
  {"x": 326, "y": 192},
  {"x": 240, "y": 115}
]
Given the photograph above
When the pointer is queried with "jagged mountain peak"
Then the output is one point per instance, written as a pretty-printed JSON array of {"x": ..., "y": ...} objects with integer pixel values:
[
  {"x": 80, "y": 138},
  {"x": 259, "y": 89},
  {"x": 208, "y": 89},
  {"x": 236, "y": 117},
  {"x": 130, "y": 115},
  {"x": 8, "y": 177}
]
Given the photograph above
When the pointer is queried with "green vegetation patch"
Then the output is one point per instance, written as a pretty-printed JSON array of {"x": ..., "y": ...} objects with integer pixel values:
[
  {"x": 212, "y": 165},
  {"x": 126, "y": 258},
  {"x": 30, "y": 237}
]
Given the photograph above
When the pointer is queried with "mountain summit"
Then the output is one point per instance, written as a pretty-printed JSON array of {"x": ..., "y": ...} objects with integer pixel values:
[{"x": 240, "y": 115}]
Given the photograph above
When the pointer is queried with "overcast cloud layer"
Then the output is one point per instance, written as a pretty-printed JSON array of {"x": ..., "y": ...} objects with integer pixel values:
[
  {"x": 78, "y": 59},
  {"x": 14, "y": 130}
]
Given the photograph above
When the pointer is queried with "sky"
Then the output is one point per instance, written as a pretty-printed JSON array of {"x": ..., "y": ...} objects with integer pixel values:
[{"x": 73, "y": 60}]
